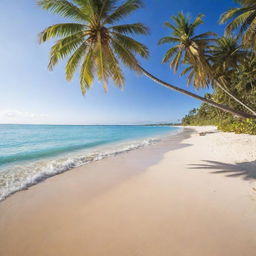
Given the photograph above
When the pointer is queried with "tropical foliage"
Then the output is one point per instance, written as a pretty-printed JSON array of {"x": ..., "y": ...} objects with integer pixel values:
[
  {"x": 243, "y": 84},
  {"x": 96, "y": 41},
  {"x": 187, "y": 46},
  {"x": 207, "y": 115},
  {"x": 223, "y": 63},
  {"x": 243, "y": 19},
  {"x": 208, "y": 58}
]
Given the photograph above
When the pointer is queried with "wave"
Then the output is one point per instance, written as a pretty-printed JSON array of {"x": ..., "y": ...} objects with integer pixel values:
[
  {"x": 56, "y": 150},
  {"x": 21, "y": 177}
]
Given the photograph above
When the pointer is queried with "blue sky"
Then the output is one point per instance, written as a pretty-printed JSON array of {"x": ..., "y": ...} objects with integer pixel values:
[{"x": 32, "y": 94}]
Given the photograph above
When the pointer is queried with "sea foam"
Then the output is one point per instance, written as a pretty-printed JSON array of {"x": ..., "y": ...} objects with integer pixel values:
[{"x": 20, "y": 177}]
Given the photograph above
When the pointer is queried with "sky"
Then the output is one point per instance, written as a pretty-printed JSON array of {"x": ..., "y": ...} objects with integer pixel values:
[{"x": 30, "y": 93}]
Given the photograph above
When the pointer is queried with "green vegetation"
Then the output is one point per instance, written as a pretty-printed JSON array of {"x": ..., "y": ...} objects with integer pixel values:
[
  {"x": 94, "y": 39},
  {"x": 207, "y": 115},
  {"x": 97, "y": 42},
  {"x": 233, "y": 61}
]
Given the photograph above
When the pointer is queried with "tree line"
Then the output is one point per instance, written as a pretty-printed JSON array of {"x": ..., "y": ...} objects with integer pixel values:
[{"x": 97, "y": 42}]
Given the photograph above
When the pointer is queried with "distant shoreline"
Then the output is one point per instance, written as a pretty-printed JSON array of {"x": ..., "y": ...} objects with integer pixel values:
[{"x": 197, "y": 190}]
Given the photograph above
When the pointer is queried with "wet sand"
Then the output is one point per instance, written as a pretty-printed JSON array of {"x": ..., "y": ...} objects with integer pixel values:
[{"x": 191, "y": 196}]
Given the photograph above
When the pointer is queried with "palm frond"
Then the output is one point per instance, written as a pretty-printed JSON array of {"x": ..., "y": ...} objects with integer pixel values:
[
  {"x": 86, "y": 74},
  {"x": 135, "y": 28},
  {"x": 249, "y": 39},
  {"x": 186, "y": 46},
  {"x": 190, "y": 78},
  {"x": 169, "y": 25},
  {"x": 100, "y": 62},
  {"x": 198, "y": 21},
  {"x": 248, "y": 21},
  {"x": 64, "y": 47},
  {"x": 168, "y": 39},
  {"x": 245, "y": 3},
  {"x": 114, "y": 67},
  {"x": 107, "y": 7},
  {"x": 132, "y": 45},
  {"x": 229, "y": 14},
  {"x": 176, "y": 61},
  {"x": 122, "y": 11},
  {"x": 169, "y": 54},
  {"x": 181, "y": 20},
  {"x": 99, "y": 43},
  {"x": 94, "y": 8},
  {"x": 60, "y": 30},
  {"x": 205, "y": 35},
  {"x": 64, "y": 8},
  {"x": 126, "y": 56},
  {"x": 74, "y": 61},
  {"x": 237, "y": 22},
  {"x": 186, "y": 70}
]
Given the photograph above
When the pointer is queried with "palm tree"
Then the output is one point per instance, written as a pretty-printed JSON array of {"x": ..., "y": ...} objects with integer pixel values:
[
  {"x": 94, "y": 40},
  {"x": 244, "y": 19},
  {"x": 245, "y": 80},
  {"x": 98, "y": 42},
  {"x": 226, "y": 55},
  {"x": 188, "y": 48},
  {"x": 246, "y": 75}
]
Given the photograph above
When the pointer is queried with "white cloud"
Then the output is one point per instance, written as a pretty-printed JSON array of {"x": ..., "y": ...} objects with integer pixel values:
[{"x": 16, "y": 116}]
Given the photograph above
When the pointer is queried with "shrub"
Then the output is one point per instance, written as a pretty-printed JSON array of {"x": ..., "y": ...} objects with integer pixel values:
[{"x": 238, "y": 126}]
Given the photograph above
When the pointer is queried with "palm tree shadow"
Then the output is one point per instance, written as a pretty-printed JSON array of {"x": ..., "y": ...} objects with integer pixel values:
[{"x": 245, "y": 170}]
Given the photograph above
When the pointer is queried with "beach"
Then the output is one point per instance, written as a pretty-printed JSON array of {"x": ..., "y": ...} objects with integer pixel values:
[{"x": 191, "y": 196}]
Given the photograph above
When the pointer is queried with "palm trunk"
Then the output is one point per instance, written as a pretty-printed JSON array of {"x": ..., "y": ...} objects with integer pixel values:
[
  {"x": 210, "y": 102},
  {"x": 219, "y": 84}
]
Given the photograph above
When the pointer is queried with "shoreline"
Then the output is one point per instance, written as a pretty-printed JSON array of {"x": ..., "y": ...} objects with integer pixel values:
[
  {"x": 183, "y": 200},
  {"x": 34, "y": 172}
]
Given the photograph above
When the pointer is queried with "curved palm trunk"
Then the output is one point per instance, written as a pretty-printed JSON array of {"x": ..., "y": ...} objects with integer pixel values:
[
  {"x": 222, "y": 86},
  {"x": 234, "y": 97},
  {"x": 210, "y": 102}
]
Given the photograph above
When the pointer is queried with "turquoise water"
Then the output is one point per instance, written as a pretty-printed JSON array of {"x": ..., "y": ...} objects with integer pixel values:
[{"x": 31, "y": 153}]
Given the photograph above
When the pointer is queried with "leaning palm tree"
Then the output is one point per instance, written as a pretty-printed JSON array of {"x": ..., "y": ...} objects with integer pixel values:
[
  {"x": 187, "y": 47},
  {"x": 97, "y": 43},
  {"x": 244, "y": 19},
  {"x": 225, "y": 56},
  {"x": 193, "y": 49}
]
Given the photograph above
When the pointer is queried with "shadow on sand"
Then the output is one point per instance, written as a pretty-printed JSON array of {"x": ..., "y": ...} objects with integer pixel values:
[{"x": 245, "y": 170}]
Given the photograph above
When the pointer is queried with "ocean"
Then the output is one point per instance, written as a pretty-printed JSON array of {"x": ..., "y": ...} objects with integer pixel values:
[{"x": 32, "y": 153}]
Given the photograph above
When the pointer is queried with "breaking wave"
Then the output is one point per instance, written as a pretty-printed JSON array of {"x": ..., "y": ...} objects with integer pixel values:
[{"x": 19, "y": 177}]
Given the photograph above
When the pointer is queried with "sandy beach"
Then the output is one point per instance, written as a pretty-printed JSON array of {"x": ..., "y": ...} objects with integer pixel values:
[{"x": 192, "y": 196}]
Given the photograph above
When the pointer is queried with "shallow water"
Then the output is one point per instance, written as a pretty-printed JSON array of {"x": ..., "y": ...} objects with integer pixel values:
[{"x": 31, "y": 153}]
